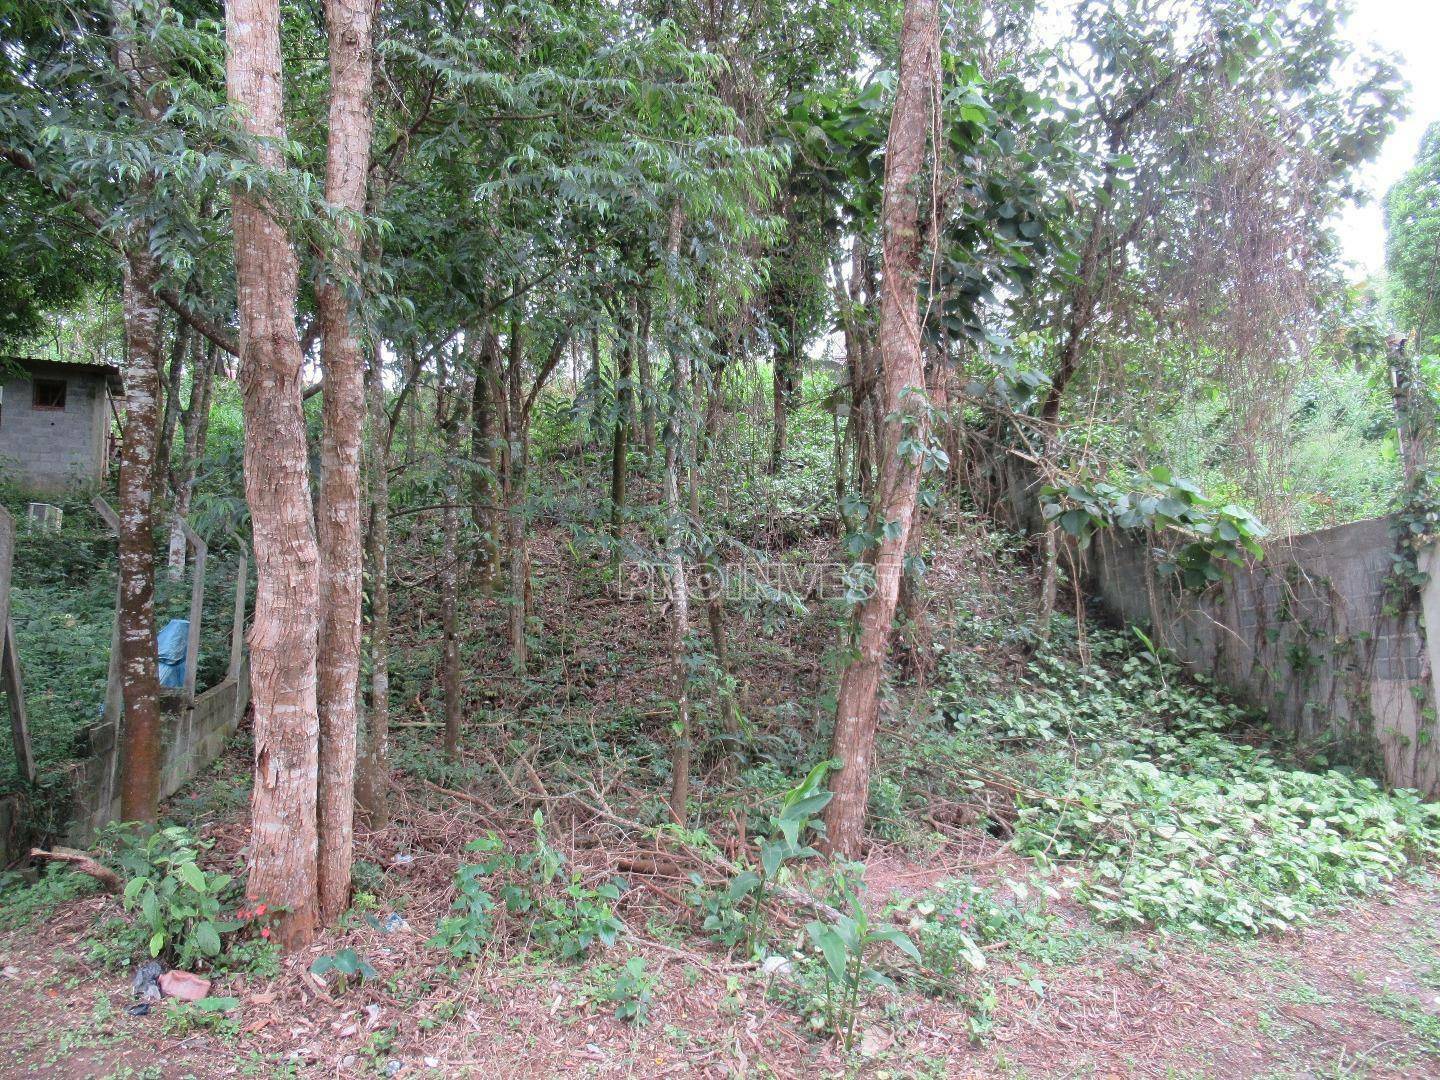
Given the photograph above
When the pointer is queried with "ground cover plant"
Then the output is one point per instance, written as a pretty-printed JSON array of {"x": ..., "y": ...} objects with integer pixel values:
[
  {"x": 1103, "y": 812},
  {"x": 682, "y": 454}
]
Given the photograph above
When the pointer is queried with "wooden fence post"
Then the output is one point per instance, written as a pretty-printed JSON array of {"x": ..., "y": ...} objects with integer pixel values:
[
  {"x": 197, "y": 607},
  {"x": 10, "y": 658}
]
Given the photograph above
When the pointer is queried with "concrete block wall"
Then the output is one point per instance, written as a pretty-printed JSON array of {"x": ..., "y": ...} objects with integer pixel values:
[
  {"x": 51, "y": 449},
  {"x": 191, "y": 738},
  {"x": 1314, "y": 633}
]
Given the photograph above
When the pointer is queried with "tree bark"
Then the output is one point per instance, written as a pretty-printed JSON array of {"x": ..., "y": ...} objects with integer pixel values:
[
  {"x": 904, "y": 379},
  {"x": 677, "y": 421},
  {"x": 450, "y": 568},
  {"x": 140, "y": 692},
  {"x": 645, "y": 372},
  {"x": 620, "y": 434},
  {"x": 194, "y": 429},
  {"x": 372, "y": 777},
  {"x": 786, "y": 392},
  {"x": 514, "y": 484},
  {"x": 343, "y": 425},
  {"x": 919, "y": 641},
  {"x": 277, "y": 486},
  {"x": 174, "y": 378},
  {"x": 486, "y": 403},
  {"x": 730, "y": 724}
]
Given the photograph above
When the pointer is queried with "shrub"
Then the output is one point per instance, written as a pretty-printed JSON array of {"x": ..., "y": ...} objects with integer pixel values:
[
  {"x": 177, "y": 905},
  {"x": 571, "y": 922}
]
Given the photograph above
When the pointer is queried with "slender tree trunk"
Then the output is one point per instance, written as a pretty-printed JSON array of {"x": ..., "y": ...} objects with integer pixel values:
[
  {"x": 174, "y": 378},
  {"x": 140, "y": 692},
  {"x": 620, "y": 433},
  {"x": 277, "y": 486},
  {"x": 372, "y": 779},
  {"x": 643, "y": 366},
  {"x": 677, "y": 421},
  {"x": 450, "y": 571},
  {"x": 194, "y": 427},
  {"x": 338, "y": 524},
  {"x": 901, "y": 358},
  {"x": 729, "y": 703},
  {"x": 486, "y": 403},
  {"x": 786, "y": 390},
  {"x": 858, "y": 362},
  {"x": 919, "y": 642},
  {"x": 1409, "y": 413},
  {"x": 515, "y": 493}
]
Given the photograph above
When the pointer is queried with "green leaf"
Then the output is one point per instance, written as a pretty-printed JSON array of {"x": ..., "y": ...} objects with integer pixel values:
[
  {"x": 192, "y": 875},
  {"x": 831, "y": 947},
  {"x": 772, "y": 854},
  {"x": 899, "y": 939},
  {"x": 206, "y": 939},
  {"x": 157, "y": 942},
  {"x": 148, "y": 908},
  {"x": 742, "y": 885},
  {"x": 807, "y": 807}
]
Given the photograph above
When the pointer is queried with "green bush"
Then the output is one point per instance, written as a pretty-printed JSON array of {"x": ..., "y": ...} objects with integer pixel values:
[
  {"x": 178, "y": 907},
  {"x": 569, "y": 918},
  {"x": 22, "y": 903}
]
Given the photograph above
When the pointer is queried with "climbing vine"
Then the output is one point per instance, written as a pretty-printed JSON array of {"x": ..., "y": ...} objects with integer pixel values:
[
  {"x": 1209, "y": 535},
  {"x": 1414, "y": 526}
]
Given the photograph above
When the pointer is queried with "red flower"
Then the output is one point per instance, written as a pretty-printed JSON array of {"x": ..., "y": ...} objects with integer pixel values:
[
  {"x": 260, "y": 910},
  {"x": 265, "y": 933}
]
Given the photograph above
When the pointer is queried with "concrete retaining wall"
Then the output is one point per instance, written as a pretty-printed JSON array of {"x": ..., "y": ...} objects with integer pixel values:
[
  {"x": 191, "y": 738},
  {"x": 1315, "y": 633}
]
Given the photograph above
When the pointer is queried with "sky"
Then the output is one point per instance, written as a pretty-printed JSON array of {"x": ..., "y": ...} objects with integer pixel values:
[{"x": 1410, "y": 29}]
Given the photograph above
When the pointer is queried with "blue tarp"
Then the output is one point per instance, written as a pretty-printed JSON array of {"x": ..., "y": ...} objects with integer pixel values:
[{"x": 170, "y": 646}]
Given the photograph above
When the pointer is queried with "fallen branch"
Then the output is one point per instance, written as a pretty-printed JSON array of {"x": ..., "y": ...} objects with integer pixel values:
[{"x": 83, "y": 864}]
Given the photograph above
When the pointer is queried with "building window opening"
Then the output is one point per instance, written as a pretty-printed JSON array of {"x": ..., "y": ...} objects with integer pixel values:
[{"x": 50, "y": 394}]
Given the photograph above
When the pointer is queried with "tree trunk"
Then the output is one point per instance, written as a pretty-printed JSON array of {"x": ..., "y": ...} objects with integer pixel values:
[
  {"x": 514, "y": 482},
  {"x": 730, "y": 724},
  {"x": 140, "y": 693},
  {"x": 343, "y": 430},
  {"x": 194, "y": 427},
  {"x": 904, "y": 379},
  {"x": 277, "y": 486},
  {"x": 647, "y": 378},
  {"x": 174, "y": 378},
  {"x": 620, "y": 434},
  {"x": 450, "y": 570},
  {"x": 372, "y": 779},
  {"x": 486, "y": 403},
  {"x": 919, "y": 641},
  {"x": 677, "y": 421},
  {"x": 786, "y": 390},
  {"x": 1409, "y": 411},
  {"x": 919, "y": 653}
]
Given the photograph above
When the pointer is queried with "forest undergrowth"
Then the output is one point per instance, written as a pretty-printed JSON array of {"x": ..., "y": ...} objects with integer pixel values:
[{"x": 1045, "y": 805}]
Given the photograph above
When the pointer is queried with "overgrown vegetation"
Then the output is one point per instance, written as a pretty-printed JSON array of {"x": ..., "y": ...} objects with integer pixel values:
[{"x": 665, "y": 436}]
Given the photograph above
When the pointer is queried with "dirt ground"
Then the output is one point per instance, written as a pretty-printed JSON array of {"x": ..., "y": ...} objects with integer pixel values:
[{"x": 1354, "y": 995}]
